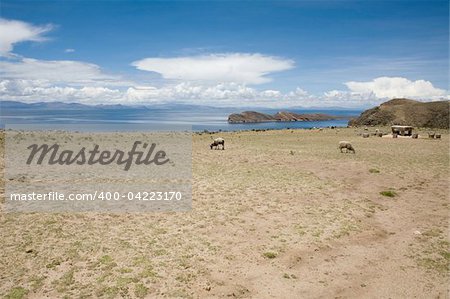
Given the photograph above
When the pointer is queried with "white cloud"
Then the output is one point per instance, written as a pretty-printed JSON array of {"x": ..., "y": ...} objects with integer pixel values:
[
  {"x": 224, "y": 94},
  {"x": 235, "y": 67},
  {"x": 298, "y": 93},
  {"x": 31, "y": 91},
  {"x": 395, "y": 87},
  {"x": 221, "y": 93},
  {"x": 344, "y": 98},
  {"x": 57, "y": 72},
  {"x": 275, "y": 94},
  {"x": 13, "y": 31},
  {"x": 214, "y": 79},
  {"x": 32, "y": 80}
]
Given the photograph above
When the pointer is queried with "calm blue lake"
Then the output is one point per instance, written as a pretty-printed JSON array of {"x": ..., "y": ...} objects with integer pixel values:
[{"x": 208, "y": 118}]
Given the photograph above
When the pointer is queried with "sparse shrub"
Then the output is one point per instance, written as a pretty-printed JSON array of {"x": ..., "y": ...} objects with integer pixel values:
[
  {"x": 374, "y": 170},
  {"x": 270, "y": 255},
  {"x": 106, "y": 259},
  {"x": 108, "y": 292},
  {"x": 445, "y": 255},
  {"x": 53, "y": 264},
  {"x": 140, "y": 291},
  {"x": 388, "y": 193},
  {"x": 432, "y": 232},
  {"x": 17, "y": 293}
]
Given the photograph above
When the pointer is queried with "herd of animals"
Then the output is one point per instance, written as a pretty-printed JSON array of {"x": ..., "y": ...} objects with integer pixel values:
[{"x": 343, "y": 145}]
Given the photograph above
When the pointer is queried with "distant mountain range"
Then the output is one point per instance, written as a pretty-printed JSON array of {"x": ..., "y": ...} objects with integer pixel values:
[
  {"x": 177, "y": 106},
  {"x": 77, "y": 106},
  {"x": 406, "y": 112}
]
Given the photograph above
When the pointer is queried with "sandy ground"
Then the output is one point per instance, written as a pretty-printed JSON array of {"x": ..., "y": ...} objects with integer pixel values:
[{"x": 278, "y": 214}]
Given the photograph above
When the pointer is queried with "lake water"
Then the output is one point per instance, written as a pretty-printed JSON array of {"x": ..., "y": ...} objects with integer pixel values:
[{"x": 211, "y": 119}]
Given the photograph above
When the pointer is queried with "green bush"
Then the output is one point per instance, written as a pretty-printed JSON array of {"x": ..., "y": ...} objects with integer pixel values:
[{"x": 388, "y": 193}]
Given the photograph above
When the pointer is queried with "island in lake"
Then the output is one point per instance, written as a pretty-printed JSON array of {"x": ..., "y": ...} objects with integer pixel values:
[{"x": 282, "y": 116}]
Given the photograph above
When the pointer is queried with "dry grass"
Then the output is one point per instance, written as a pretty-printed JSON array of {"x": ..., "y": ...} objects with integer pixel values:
[{"x": 278, "y": 213}]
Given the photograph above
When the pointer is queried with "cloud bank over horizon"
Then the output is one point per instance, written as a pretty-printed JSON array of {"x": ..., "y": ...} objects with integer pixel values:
[{"x": 219, "y": 79}]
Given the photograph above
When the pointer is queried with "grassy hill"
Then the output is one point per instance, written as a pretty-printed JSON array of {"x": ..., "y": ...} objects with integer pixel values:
[{"x": 406, "y": 112}]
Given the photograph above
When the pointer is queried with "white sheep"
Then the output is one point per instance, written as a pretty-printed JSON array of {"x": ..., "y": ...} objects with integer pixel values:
[
  {"x": 347, "y": 145},
  {"x": 218, "y": 141}
]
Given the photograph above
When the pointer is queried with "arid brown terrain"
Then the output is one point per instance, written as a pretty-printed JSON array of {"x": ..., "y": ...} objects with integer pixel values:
[
  {"x": 406, "y": 112},
  {"x": 278, "y": 214}
]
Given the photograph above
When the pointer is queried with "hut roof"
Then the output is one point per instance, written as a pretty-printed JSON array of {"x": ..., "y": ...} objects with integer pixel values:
[{"x": 402, "y": 127}]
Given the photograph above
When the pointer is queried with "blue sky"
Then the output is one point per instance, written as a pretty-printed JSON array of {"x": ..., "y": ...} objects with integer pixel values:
[{"x": 294, "y": 53}]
